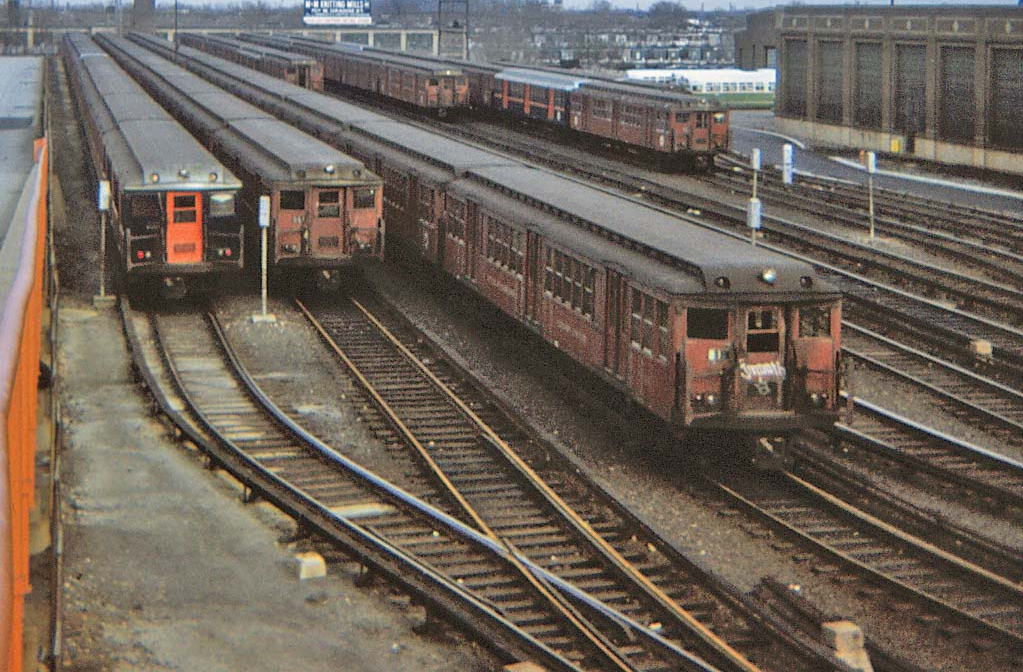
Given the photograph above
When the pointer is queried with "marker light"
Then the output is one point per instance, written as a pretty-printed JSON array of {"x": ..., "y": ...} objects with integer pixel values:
[{"x": 155, "y": 177}]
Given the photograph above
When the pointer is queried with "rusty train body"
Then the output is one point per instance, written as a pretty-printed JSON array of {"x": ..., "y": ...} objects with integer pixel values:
[
  {"x": 326, "y": 207},
  {"x": 669, "y": 129},
  {"x": 703, "y": 330},
  {"x": 172, "y": 204}
]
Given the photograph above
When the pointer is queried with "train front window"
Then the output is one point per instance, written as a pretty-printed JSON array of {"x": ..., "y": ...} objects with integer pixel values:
[
  {"x": 707, "y": 323},
  {"x": 221, "y": 205},
  {"x": 762, "y": 331},
  {"x": 815, "y": 321},
  {"x": 329, "y": 204},
  {"x": 365, "y": 198},
  {"x": 144, "y": 208},
  {"x": 184, "y": 209},
  {"x": 292, "y": 200}
]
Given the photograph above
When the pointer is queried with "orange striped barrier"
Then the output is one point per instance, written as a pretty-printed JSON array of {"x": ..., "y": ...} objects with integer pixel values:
[{"x": 20, "y": 339}]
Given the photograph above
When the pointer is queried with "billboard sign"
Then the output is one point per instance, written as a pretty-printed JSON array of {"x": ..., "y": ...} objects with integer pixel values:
[{"x": 337, "y": 13}]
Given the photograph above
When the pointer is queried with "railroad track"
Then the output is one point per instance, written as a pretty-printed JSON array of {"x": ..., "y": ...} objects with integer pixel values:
[
  {"x": 976, "y": 604},
  {"x": 484, "y": 461},
  {"x": 993, "y": 226},
  {"x": 976, "y": 399},
  {"x": 950, "y": 226},
  {"x": 959, "y": 246},
  {"x": 488, "y": 587}
]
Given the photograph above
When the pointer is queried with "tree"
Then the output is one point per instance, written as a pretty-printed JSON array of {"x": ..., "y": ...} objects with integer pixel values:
[{"x": 667, "y": 12}]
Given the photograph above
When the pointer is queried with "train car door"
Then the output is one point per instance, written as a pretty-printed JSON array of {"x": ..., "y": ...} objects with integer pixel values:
[
  {"x": 326, "y": 230},
  {"x": 184, "y": 227},
  {"x": 614, "y": 324},
  {"x": 762, "y": 369},
  {"x": 471, "y": 238}
]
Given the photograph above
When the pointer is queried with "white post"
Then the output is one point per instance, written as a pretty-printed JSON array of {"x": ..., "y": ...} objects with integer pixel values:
[
  {"x": 871, "y": 167},
  {"x": 754, "y": 162},
  {"x": 786, "y": 163},
  {"x": 264, "y": 224},
  {"x": 101, "y": 300},
  {"x": 753, "y": 216}
]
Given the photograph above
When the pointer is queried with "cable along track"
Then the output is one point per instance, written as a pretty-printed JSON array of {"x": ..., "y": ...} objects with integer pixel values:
[
  {"x": 559, "y": 521},
  {"x": 525, "y": 612}
]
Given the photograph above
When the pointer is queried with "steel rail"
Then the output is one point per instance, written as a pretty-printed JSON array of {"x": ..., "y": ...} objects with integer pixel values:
[
  {"x": 993, "y": 401},
  {"x": 611, "y": 554},
  {"x": 452, "y": 491},
  {"x": 271, "y": 486},
  {"x": 249, "y": 467},
  {"x": 979, "y": 253},
  {"x": 936, "y": 453},
  {"x": 904, "y": 547}
]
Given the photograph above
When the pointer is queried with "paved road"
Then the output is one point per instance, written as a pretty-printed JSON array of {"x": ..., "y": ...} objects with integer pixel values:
[{"x": 755, "y": 129}]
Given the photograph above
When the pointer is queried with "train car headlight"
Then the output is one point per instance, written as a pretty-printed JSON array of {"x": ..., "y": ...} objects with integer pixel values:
[
  {"x": 769, "y": 275},
  {"x": 154, "y": 178},
  {"x": 329, "y": 169}
]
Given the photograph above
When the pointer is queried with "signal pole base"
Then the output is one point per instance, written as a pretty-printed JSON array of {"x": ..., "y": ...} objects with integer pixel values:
[
  {"x": 258, "y": 318},
  {"x": 104, "y": 301}
]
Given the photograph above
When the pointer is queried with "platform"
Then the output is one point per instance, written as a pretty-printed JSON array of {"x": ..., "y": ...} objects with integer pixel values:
[{"x": 20, "y": 107}]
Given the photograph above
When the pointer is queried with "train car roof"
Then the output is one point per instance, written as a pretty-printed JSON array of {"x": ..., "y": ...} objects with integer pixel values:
[
  {"x": 580, "y": 242},
  {"x": 438, "y": 68},
  {"x": 549, "y": 80},
  {"x": 147, "y": 148},
  {"x": 651, "y": 93},
  {"x": 287, "y": 154},
  {"x": 257, "y": 49},
  {"x": 698, "y": 251},
  {"x": 452, "y": 155}
]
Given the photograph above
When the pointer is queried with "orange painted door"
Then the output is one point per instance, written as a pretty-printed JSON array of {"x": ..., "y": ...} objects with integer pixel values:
[{"x": 184, "y": 228}]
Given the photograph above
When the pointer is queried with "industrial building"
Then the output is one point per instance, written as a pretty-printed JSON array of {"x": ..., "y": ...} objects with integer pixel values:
[{"x": 941, "y": 83}]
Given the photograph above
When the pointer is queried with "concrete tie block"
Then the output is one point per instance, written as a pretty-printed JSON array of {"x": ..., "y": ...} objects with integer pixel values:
[
  {"x": 980, "y": 348},
  {"x": 310, "y": 566},
  {"x": 525, "y": 666},
  {"x": 846, "y": 640}
]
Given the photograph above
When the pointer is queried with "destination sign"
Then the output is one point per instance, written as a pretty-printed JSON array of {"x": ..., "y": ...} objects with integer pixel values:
[{"x": 337, "y": 13}]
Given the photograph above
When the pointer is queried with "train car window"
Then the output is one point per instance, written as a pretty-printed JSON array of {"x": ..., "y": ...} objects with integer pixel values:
[
  {"x": 329, "y": 204},
  {"x": 426, "y": 197},
  {"x": 761, "y": 319},
  {"x": 516, "y": 90},
  {"x": 365, "y": 198},
  {"x": 601, "y": 108},
  {"x": 221, "y": 205},
  {"x": 538, "y": 94},
  {"x": 292, "y": 200},
  {"x": 637, "y": 317},
  {"x": 648, "y": 324},
  {"x": 707, "y": 323},
  {"x": 762, "y": 331},
  {"x": 815, "y": 321},
  {"x": 434, "y": 82},
  {"x": 518, "y": 253},
  {"x": 682, "y": 117},
  {"x": 185, "y": 209},
  {"x": 701, "y": 120},
  {"x": 144, "y": 206},
  {"x": 591, "y": 281},
  {"x": 663, "y": 339},
  {"x": 185, "y": 201},
  {"x": 549, "y": 279}
]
